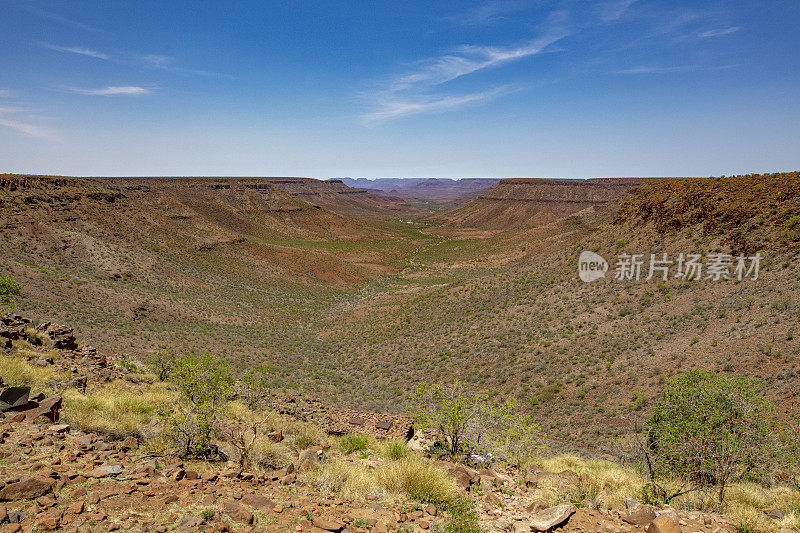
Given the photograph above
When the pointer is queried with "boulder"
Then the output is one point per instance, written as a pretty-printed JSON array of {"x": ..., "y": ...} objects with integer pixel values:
[
  {"x": 640, "y": 516},
  {"x": 308, "y": 459},
  {"x": 237, "y": 512},
  {"x": 26, "y": 488},
  {"x": 258, "y": 501},
  {"x": 327, "y": 525},
  {"x": 275, "y": 436},
  {"x": 12, "y": 397},
  {"x": 552, "y": 517},
  {"x": 105, "y": 470},
  {"x": 189, "y": 523},
  {"x": 666, "y": 523},
  {"x": 776, "y": 514},
  {"x": 48, "y": 408}
]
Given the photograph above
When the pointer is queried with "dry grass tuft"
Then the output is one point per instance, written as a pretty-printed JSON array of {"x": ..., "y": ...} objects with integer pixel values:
[
  {"x": 18, "y": 372},
  {"x": 603, "y": 482},
  {"x": 409, "y": 478},
  {"x": 117, "y": 409}
]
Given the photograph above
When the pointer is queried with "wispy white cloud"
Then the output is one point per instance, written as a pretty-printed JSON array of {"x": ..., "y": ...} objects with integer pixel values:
[
  {"x": 490, "y": 12},
  {"x": 23, "y": 126},
  {"x": 400, "y": 107},
  {"x": 167, "y": 63},
  {"x": 679, "y": 68},
  {"x": 613, "y": 11},
  {"x": 718, "y": 33},
  {"x": 151, "y": 61},
  {"x": 6, "y": 93},
  {"x": 124, "y": 90},
  {"x": 656, "y": 70},
  {"x": 77, "y": 50},
  {"x": 64, "y": 20},
  {"x": 413, "y": 93}
]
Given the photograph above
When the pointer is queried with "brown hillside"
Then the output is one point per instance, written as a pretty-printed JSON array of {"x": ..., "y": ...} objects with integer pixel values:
[
  {"x": 526, "y": 202},
  {"x": 749, "y": 212}
]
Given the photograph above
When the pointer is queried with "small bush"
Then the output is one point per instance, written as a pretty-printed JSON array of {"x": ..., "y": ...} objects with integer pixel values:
[
  {"x": 205, "y": 384},
  {"x": 348, "y": 479},
  {"x": 395, "y": 450},
  {"x": 267, "y": 455},
  {"x": 303, "y": 435},
  {"x": 419, "y": 479},
  {"x": 473, "y": 421},
  {"x": 353, "y": 443},
  {"x": 463, "y": 517},
  {"x": 9, "y": 288}
]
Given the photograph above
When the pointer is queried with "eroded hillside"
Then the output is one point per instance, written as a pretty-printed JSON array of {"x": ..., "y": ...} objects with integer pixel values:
[{"x": 358, "y": 309}]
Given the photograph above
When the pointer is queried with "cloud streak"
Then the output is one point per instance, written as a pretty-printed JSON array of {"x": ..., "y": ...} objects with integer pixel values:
[
  {"x": 401, "y": 107},
  {"x": 23, "y": 127},
  {"x": 488, "y": 13},
  {"x": 112, "y": 90},
  {"x": 150, "y": 61},
  {"x": 718, "y": 33},
  {"x": 77, "y": 50},
  {"x": 413, "y": 93}
]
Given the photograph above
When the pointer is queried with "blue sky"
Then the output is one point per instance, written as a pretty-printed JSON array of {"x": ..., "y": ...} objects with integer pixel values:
[{"x": 452, "y": 89}]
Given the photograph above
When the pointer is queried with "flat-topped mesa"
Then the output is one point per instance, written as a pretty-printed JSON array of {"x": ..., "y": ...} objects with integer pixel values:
[
  {"x": 517, "y": 203},
  {"x": 545, "y": 190}
]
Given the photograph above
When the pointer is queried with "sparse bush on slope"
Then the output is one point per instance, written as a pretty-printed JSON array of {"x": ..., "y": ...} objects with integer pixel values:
[
  {"x": 204, "y": 384},
  {"x": 476, "y": 422},
  {"x": 9, "y": 288},
  {"x": 710, "y": 430}
]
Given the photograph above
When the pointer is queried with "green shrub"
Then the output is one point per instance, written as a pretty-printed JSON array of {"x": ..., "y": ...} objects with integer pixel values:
[
  {"x": 463, "y": 517},
  {"x": 205, "y": 384},
  {"x": 9, "y": 288},
  {"x": 353, "y": 443},
  {"x": 711, "y": 429},
  {"x": 395, "y": 450},
  {"x": 474, "y": 422}
]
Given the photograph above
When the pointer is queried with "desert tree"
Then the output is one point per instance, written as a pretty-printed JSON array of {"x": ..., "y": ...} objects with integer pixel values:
[
  {"x": 475, "y": 421},
  {"x": 205, "y": 384},
  {"x": 708, "y": 430}
]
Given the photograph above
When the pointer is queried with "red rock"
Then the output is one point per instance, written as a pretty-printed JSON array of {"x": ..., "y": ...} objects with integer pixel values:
[
  {"x": 48, "y": 521},
  {"x": 666, "y": 523},
  {"x": 258, "y": 501},
  {"x": 237, "y": 512},
  {"x": 327, "y": 525},
  {"x": 640, "y": 516},
  {"x": 552, "y": 517},
  {"x": 26, "y": 489}
]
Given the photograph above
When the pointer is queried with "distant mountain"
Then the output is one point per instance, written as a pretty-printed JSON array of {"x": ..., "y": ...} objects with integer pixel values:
[{"x": 423, "y": 188}]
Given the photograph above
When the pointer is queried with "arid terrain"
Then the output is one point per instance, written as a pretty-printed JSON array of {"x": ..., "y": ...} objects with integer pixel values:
[
  {"x": 349, "y": 299},
  {"x": 369, "y": 304}
]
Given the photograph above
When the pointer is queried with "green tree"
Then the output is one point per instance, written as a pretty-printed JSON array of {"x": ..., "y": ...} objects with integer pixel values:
[
  {"x": 205, "y": 384},
  {"x": 474, "y": 421},
  {"x": 711, "y": 429},
  {"x": 161, "y": 363},
  {"x": 9, "y": 288}
]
